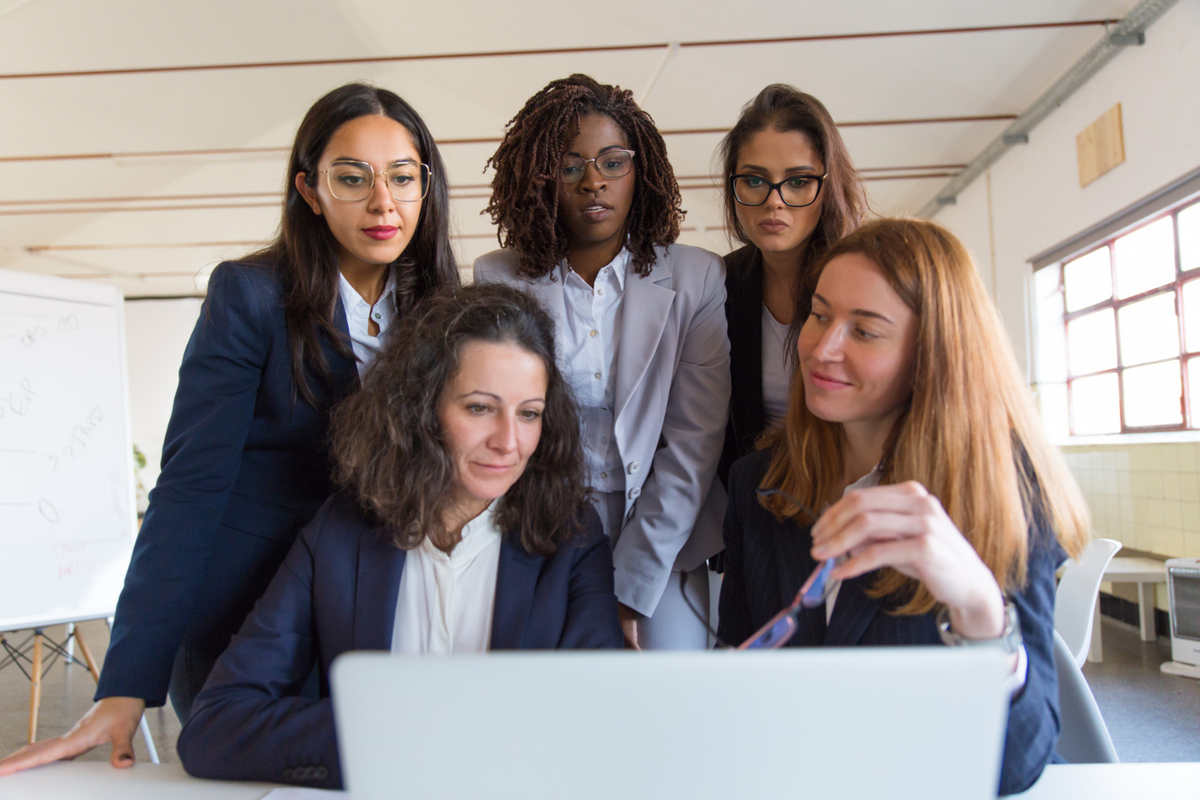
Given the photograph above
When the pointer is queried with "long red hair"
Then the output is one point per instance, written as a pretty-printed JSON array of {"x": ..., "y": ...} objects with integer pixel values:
[{"x": 970, "y": 434}]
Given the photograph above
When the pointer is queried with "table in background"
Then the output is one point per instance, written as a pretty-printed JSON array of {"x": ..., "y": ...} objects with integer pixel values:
[
  {"x": 1145, "y": 572},
  {"x": 96, "y": 780}
]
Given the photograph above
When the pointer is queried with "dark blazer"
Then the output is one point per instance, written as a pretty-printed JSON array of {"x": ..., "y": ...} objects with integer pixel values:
[
  {"x": 337, "y": 591},
  {"x": 245, "y": 465},
  {"x": 766, "y": 561},
  {"x": 743, "y": 314}
]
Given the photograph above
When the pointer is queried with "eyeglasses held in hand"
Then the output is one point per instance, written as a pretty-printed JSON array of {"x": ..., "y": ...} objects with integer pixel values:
[
  {"x": 351, "y": 181},
  {"x": 781, "y": 627},
  {"x": 797, "y": 191},
  {"x": 611, "y": 164}
]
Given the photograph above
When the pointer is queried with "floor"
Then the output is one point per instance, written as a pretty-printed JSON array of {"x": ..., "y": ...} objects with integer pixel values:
[{"x": 1151, "y": 716}]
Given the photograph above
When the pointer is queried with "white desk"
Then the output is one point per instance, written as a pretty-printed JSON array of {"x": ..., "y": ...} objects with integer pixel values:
[
  {"x": 1145, "y": 572},
  {"x": 96, "y": 780}
]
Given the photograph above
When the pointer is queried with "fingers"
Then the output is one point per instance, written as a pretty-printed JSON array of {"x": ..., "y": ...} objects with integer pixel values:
[
  {"x": 905, "y": 555},
  {"x": 902, "y": 498},
  {"x": 43, "y": 752},
  {"x": 878, "y": 513}
]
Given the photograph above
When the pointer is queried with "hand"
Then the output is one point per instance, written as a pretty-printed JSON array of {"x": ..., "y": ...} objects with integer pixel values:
[
  {"x": 629, "y": 619},
  {"x": 113, "y": 719},
  {"x": 904, "y": 527}
]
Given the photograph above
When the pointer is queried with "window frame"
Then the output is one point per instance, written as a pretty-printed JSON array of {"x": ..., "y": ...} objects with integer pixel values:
[{"x": 1184, "y": 357}]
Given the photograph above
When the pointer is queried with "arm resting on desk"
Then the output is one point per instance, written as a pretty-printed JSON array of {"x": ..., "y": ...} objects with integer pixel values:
[{"x": 248, "y": 723}]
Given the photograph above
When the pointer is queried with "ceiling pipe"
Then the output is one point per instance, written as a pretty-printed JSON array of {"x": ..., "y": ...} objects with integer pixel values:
[{"x": 1129, "y": 31}]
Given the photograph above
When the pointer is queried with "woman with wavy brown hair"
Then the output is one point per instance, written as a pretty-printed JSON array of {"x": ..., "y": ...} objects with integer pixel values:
[
  {"x": 462, "y": 527},
  {"x": 943, "y": 510},
  {"x": 588, "y": 211},
  {"x": 790, "y": 191}
]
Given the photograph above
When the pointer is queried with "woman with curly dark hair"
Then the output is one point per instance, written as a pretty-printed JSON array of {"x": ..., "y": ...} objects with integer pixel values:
[
  {"x": 463, "y": 526},
  {"x": 790, "y": 192},
  {"x": 589, "y": 210}
]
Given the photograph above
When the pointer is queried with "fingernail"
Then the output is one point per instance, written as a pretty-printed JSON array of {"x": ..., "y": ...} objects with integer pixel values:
[{"x": 818, "y": 552}]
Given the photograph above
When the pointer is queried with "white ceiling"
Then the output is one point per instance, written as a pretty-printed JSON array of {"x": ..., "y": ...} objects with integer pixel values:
[{"x": 138, "y": 247}]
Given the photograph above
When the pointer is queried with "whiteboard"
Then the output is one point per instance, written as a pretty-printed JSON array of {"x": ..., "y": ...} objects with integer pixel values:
[{"x": 67, "y": 508}]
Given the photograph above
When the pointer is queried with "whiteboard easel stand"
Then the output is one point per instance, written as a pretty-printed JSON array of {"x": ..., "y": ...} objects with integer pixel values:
[{"x": 37, "y": 642}]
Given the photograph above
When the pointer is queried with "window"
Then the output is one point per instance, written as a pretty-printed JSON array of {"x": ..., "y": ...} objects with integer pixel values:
[{"x": 1128, "y": 312}]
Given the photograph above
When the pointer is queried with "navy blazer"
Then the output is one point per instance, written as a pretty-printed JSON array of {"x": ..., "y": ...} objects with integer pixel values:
[
  {"x": 743, "y": 314},
  {"x": 245, "y": 465},
  {"x": 337, "y": 591},
  {"x": 767, "y": 560}
]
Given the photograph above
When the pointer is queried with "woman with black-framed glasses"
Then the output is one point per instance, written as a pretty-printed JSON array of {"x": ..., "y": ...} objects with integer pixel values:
[
  {"x": 790, "y": 192},
  {"x": 282, "y": 336},
  {"x": 588, "y": 209}
]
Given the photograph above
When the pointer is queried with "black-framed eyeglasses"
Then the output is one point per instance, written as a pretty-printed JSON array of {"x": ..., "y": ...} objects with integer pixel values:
[
  {"x": 351, "y": 181},
  {"x": 610, "y": 164},
  {"x": 797, "y": 191}
]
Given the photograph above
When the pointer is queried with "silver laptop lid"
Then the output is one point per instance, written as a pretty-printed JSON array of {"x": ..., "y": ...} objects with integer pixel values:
[{"x": 919, "y": 722}]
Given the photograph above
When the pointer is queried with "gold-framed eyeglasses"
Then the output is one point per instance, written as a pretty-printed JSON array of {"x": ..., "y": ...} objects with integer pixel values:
[
  {"x": 610, "y": 164},
  {"x": 797, "y": 191},
  {"x": 351, "y": 181}
]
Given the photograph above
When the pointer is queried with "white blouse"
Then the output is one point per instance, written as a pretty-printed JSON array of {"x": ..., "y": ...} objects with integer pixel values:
[
  {"x": 446, "y": 600},
  {"x": 359, "y": 314},
  {"x": 777, "y": 368},
  {"x": 589, "y": 339}
]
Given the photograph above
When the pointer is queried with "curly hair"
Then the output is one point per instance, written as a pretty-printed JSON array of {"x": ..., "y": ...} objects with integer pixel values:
[
  {"x": 528, "y": 163},
  {"x": 389, "y": 447}
]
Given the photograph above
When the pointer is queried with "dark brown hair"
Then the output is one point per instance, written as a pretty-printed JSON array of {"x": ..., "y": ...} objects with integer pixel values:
[
  {"x": 786, "y": 108},
  {"x": 528, "y": 163},
  {"x": 971, "y": 434},
  {"x": 388, "y": 442},
  {"x": 305, "y": 251}
]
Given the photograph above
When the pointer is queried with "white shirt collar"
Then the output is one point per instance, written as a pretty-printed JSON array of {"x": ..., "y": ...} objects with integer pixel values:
[
  {"x": 476, "y": 536},
  {"x": 618, "y": 267}
]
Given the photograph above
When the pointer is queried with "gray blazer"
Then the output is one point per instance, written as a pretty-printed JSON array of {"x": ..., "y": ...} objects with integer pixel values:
[{"x": 672, "y": 397}]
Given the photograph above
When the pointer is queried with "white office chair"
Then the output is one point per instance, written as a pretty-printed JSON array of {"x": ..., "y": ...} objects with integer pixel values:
[
  {"x": 1083, "y": 737},
  {"x": 1075, "y": 599}
]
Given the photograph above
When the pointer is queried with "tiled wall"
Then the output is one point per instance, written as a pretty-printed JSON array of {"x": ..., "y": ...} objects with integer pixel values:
[{"x": 1146, "y": 496}]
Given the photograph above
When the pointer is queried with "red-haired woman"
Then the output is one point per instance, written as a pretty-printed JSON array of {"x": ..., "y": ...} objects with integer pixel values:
[{"x": 946, "y": 511}]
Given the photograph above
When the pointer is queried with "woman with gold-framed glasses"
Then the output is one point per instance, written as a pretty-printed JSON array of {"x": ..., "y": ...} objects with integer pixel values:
[{"x": 283, "y": 335}]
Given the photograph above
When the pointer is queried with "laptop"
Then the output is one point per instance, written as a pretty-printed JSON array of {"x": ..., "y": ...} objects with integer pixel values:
[{"x": 895, "y": 722}]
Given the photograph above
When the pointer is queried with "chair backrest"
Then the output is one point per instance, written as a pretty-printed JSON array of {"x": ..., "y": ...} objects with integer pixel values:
[
  {"x": 1083, "y": 737},
  {"x": 1075, "y": 600}
]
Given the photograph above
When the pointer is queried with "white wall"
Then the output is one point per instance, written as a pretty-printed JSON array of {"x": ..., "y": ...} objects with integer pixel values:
[
  {"x": 1036, "y": 201},
  {"x": 156, "y": 333}
]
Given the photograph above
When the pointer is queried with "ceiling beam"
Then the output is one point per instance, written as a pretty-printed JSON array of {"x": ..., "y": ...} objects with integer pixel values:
[
  {"x": 238, "y": 151},
  {"x": 327, "y": 62}
]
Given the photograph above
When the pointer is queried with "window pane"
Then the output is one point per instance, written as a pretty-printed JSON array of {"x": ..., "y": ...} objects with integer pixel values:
[
  {"x": 1191, "y": 315},
  {"x": 1189, "y": 237},
  {"x": 1094, "y": 405},
  {"x": 1092, "y": 342},
  {"x": 1149, "y": 330},
  {"x": 1088, "y": 279},
  {"x": 1152, "y": 395},
  {"x": 1145, "y": 259}
]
